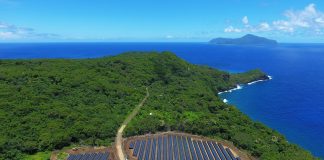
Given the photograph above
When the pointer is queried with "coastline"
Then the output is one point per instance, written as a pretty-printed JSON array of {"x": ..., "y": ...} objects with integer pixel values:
[{"x": 240, "y": 86}]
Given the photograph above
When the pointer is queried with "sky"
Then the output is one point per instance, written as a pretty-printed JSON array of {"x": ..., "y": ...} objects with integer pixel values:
[{"x": 288, "y": 21}]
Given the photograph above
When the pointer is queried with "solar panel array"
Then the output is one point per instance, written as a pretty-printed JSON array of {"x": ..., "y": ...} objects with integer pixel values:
[
  {"x": 89, "y": 156},
  {"x": 178, "y": 147}
]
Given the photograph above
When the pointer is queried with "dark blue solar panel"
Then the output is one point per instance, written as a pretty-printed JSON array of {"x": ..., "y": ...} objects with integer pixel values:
[
  {"x": 165, "y": 148},
  {"x": 202, "y": 149},
  {"x": 181, "y": 149},
  {"x": 105, "y": 156},
  {"x": 224, "y": 152},
  {"x": 71, "y": 157},
  {"x": 186, "y": 148},
  {"x": 101, "y": 156},
  {"x": 197, "y": 150},
  {"x": 230, "y": 153},
  {"x": 90, "y": 156},
  {"x": 137, "y": 147},
  {"x": 209, "y": 154},
  {"x": 176, "y": 148},
  {"x": 221, "y": 155},
  {"x": 77, "y": 157},
  {"x": 159, "y": 148},
  {"x": 96, "y": 156},
  {"x": 86, "y": 156},
  {"x": 152, "y": 156},
  {"x": 170, "y": 148},
  {"x": 141, "y": 152},
  {"x": 82, "y": 157},
  {"x": 213, "y": 150},
  {"x": 192, "y": 150},
  {"x": 148, "y": 149}
]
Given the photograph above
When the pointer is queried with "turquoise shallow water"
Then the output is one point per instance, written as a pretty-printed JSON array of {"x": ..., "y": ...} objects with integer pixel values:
[{"x": 292, "y": 102}]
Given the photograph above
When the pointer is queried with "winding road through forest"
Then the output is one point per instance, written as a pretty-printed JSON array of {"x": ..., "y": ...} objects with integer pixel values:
[{"x": 119, "y": 137}]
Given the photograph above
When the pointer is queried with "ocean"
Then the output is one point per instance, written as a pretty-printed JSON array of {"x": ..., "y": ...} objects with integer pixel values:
[{"x": 291, "y": 103}]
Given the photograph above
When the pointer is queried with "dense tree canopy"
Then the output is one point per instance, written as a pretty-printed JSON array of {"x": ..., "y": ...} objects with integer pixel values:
[{"x": 48, "y": 104}]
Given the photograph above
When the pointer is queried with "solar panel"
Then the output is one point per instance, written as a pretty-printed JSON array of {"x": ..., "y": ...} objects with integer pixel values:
[
  {"x": 224, "y": 152},
  {"x": 159, "y": 148},
  {"x": 220, "y": 154},
  {"x": 96, "y": 156},
  {"x": 90, "y": 156},
  {"x": 82, "y": 157},
  {"x": 209, "y": 154},
  {"x": 87, "y": 156},
  {"x": 181, "y": 149},
  {"x": 105, "y": 156},
  {"x": 202, "y": 149},
  {"x": 186, "y": 148},
  {"x": 148, "y": 149},
  {"x": 137, "y": 147},
  {"x": 152, "y": 156},
  {"x": 141, "y": 152},
  {"x": 230, "y": 153},
  {"x": 71, "y": 157},
  {"x": 176, "y": 148},
  {"x": 173, "y": 147},
  {"x": 165, "y": 148},
  {"x": 192, "y": 149},
  {"x": 170, "y": 147},
  {"x": 211, "y": 147},
  {"x": 197, "y": 150}
]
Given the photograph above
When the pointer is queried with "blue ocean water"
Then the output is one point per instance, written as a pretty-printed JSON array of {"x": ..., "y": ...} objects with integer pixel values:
[{"x": 292, "y": 102}]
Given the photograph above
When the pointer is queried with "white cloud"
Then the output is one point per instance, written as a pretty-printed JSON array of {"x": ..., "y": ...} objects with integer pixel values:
[
  {"x": 264, "y": 26},
  {"x": 245, "y": 20},
  {"x": 10, "y": 32},
  {"x": 308, "y": 20},
  {"x": 232, "y": 29},
  {"x": 169, "y": 36}
]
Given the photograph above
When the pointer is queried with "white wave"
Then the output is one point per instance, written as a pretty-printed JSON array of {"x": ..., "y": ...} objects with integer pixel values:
[
  {"x": 238, "y": 87},
  {"x": 255, "y": 82},
  {"x": 270, "y": 77},
  {"x": 225, "y": 100}
]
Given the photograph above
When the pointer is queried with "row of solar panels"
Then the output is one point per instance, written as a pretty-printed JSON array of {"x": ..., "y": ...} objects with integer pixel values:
[
  {"x": 89, "y": 156},
  {"x": 175, "y": 147}
]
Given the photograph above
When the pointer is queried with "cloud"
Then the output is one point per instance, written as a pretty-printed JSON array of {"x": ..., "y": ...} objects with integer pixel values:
[
  {"x": 232, "y": 29},
  {"x": 307, "y": 20},
  {"x": 12, "y": 32},
  {"x": 245, "y": 20},
  {"x": 169, "y": 36}
]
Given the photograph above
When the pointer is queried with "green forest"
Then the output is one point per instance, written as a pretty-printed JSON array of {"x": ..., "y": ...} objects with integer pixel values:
[{"x": 48, "y": 104}]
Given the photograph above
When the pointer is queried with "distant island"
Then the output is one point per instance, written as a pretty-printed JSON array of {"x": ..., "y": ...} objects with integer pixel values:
[{"x": 248, "y": 39}]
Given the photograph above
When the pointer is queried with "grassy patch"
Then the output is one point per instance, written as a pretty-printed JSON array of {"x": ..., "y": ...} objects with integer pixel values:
[{"x": 39, "y": 156}]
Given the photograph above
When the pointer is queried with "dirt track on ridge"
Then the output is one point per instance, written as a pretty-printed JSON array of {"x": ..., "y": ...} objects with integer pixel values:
[{"x": 119, "y": 137}]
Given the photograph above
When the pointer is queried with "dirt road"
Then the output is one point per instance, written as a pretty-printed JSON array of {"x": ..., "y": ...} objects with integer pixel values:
[{"x": 119, "y": 137}]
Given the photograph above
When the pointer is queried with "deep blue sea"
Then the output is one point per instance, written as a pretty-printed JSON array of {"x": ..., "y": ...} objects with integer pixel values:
[{"x": 292, "y": 102}]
